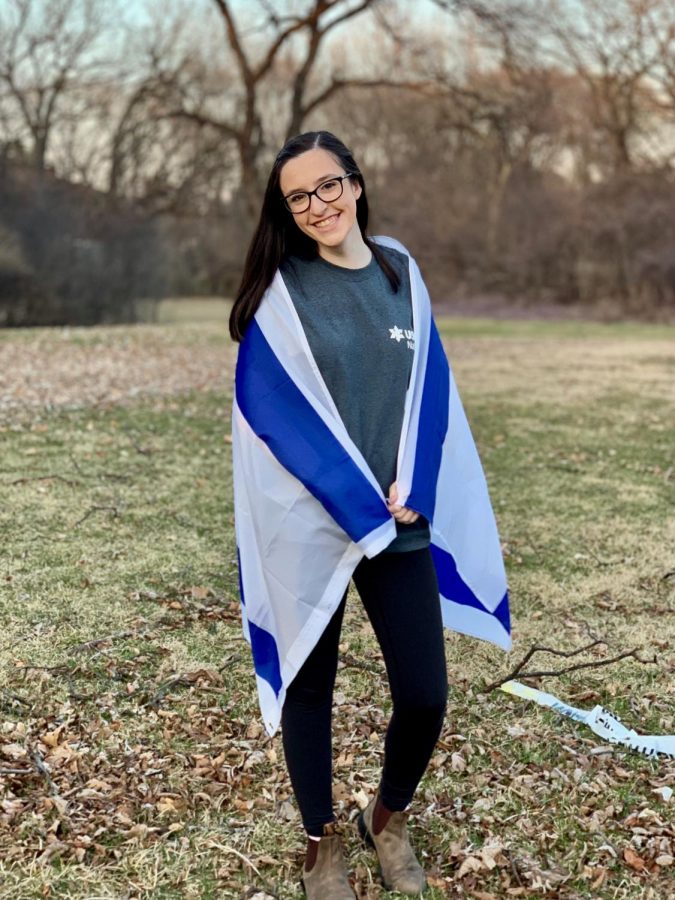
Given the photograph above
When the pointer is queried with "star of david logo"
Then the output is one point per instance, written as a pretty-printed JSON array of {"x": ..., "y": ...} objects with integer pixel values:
[{"x": 396, "y": 334}]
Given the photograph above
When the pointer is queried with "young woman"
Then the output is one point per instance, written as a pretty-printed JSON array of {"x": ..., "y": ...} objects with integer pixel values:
[{"x": 347, "y": 437}]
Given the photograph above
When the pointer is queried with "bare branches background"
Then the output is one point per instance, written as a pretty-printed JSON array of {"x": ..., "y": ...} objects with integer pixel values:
[{"x": 523, "y": 150}]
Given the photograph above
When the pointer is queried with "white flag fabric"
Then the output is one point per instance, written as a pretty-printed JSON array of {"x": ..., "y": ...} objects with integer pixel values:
[
  {"x": 599, "y": 720},
  {"x": 308, "y": 508}
]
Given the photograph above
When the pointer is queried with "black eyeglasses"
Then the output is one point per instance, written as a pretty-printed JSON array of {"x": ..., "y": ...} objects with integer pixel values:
[{"x": 329, "y": 190}]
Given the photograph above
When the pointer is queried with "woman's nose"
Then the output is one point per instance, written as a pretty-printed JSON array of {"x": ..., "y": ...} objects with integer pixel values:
[{"x": 320, "y": 204}]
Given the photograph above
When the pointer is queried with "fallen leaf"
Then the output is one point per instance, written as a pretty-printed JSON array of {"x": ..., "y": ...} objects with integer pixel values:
[
  {"x": 598, "y": 881},
  {"x": 634, "y": 860},
  {"x": 361, "y": 798},
  {"x": 99, "y": 785},
  {"x": 51, "y": 739},
  {"x": 457, "y": 762},
  {"x": 470, "y": 864},
  {"x": 287, "y": 811},
  {"x": 13, "y": 751},
  {"x": 491, "y": 854}
]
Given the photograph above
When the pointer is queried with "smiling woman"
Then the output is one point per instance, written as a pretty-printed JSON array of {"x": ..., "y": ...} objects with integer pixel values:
[
  {"x": 326, "y": 214},
  {"x": 332, "y": 225},
  {"x": 348, "y": 442}
]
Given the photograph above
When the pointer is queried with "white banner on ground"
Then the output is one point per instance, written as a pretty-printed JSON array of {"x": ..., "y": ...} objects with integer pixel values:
[{"x": 599, "y": 720}]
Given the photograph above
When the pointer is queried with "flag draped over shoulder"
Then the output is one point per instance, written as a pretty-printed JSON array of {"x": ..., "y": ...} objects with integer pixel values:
[{"x": 308, "y": 508}]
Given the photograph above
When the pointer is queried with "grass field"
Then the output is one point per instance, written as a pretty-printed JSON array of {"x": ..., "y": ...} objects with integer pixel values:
[{"x": 132, "y": 759}]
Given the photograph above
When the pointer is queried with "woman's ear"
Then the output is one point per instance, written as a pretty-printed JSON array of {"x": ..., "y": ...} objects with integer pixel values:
[{"x": 356, "y": 188}]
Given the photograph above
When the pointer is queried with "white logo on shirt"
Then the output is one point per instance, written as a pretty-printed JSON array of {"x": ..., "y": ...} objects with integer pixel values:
[{"x": 398, "y": 334}]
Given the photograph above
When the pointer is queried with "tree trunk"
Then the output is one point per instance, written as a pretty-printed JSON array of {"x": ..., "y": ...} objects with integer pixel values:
[{"x": 495, "y": 203}]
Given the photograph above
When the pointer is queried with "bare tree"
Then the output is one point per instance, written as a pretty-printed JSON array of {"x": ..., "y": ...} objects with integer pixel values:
[
  {"x": 171, "y": 162},
  {"x": 497, "y": 97},
  {"x": 46, "y": 46},
  {"x": 300, "y": 35},
  {"x": 661, "y": 29},
  {"x": 609, "y": 46}
]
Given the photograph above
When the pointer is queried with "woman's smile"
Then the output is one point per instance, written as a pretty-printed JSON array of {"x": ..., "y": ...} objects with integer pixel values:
[{"x": 327, "y": 222}]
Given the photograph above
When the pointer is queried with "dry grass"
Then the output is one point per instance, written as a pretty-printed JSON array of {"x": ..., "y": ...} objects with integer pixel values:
[
  {"x": 117, "y": 521},
  {"x": 192, "y": 309}
]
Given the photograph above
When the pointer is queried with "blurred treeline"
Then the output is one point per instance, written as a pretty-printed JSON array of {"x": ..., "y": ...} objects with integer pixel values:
[{"x": 522, "y": 149}]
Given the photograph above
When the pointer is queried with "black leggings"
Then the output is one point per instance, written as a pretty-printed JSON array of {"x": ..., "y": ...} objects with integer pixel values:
[{"x": 400, "y": 594}]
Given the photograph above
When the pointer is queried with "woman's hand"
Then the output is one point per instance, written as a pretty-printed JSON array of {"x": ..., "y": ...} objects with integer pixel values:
[{"x": 400, "y": 513}]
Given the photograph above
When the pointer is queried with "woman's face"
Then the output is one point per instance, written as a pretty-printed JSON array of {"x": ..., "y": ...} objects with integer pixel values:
[{"x": 329, "y": 224}]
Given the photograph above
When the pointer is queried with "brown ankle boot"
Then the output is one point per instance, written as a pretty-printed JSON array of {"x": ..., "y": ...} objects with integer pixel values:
[
  {"x": 327, "y": 877},
  {"x": 400, "y": 869}
]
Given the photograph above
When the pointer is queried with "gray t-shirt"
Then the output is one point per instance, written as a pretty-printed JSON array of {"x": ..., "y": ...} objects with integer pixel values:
[{"x": 361, "y": 335}]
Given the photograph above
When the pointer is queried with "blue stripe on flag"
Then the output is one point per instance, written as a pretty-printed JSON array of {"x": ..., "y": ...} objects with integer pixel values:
[
  {"x": 241, "y": 581},
  {"x": 432, "y": 428},
  {"x": 452, "y": 585},
  {"x": 281, "y": 416},
  {"x": 265, "y": 656}
]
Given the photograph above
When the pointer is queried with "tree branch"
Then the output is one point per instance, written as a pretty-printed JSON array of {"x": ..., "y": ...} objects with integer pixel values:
[
  {"x": 41, "y": 767},
  {"x": 28, "y": 478},
  {"x": 235, "y": 43},
  {"x": 519, "y": 671},
  {"x": 204, "y": 121},
  {"x": 92, "y": 509},
  {"x": 350, "y": 13},
  {"x": 340, "y": 83}
]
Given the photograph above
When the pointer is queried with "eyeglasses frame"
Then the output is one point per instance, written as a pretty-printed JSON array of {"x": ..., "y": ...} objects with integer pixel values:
[{"x": 310, "y": 194}]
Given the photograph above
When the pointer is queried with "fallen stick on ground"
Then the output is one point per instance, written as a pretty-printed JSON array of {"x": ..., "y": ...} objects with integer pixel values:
[{"x": 594, "y": 664}]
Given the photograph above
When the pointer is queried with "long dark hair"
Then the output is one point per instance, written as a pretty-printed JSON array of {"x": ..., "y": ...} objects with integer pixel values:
[{"x": 277, "y": 235}]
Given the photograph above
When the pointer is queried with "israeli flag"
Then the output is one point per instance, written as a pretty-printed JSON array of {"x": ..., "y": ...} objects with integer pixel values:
[{"x": 308, "y": 508}]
